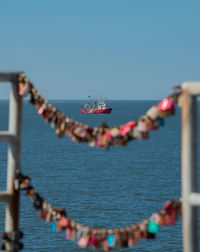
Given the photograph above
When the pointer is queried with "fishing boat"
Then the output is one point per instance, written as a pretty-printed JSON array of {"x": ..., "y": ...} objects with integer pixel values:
[{"x": 96, "y": 107}]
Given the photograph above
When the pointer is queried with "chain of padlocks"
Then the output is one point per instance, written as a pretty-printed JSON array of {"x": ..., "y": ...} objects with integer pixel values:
[
  {"x": 102, "y": 136},
  {"x": 97, "y": 238}
]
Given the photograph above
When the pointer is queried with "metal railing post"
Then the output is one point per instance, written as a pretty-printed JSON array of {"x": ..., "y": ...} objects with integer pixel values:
[
  {"x": 189, "y": 168},
  {"x": 13, "y": 137},
  {"x": 14, "y": 158}
]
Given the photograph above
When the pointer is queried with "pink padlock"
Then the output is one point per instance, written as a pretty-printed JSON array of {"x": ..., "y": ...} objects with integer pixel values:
[
  {"x": 69, "y": 234},
  {"x": 63, "y": 223},
  {"x": 83, "y": 242},
  {"x": 108, "y": 136},
  {"x": 166, "y": 105}
]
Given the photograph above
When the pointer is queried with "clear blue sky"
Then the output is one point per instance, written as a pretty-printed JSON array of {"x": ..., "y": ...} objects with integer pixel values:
[{"x": 127, "y": 49}]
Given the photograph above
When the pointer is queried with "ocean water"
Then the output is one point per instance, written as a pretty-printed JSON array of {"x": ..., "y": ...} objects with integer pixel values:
[{"x": 99, "y": 188}]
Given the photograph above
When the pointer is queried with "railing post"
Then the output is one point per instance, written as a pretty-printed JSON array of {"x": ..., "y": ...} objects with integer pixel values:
[
  {"x": 14, "y": 157},
  {"x": 189, "y": 170}
]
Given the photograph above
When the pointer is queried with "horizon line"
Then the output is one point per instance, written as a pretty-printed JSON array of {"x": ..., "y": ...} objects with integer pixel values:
[{"x": 69, "y": 99}]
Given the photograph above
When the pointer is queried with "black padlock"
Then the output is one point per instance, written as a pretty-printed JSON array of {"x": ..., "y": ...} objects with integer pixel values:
[{"x": 37, "y": 203}]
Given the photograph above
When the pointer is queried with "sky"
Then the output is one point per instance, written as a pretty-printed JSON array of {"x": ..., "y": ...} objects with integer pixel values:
[{"x": 122, "y": 49}]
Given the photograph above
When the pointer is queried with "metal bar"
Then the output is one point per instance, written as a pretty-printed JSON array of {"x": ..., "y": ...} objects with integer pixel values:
[
  {"x": 194, "y": 199},
  {"x": 189, "y": 171},
  {"x": 14, "y": 158},
  {"x": 6, "y": 136},
  {"x": 9, "y": 76},
  {"x": 192, "y": 87},
  {"x": 5, "y": 196}
]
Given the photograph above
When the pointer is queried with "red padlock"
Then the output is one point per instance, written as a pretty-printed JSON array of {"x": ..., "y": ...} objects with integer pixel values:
[{"x": 127, "y": 127}]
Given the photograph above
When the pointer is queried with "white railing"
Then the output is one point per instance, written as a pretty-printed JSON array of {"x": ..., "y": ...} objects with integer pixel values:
[
  {"x": 190, "y": 197},
  {"x": 13, "y": 137}
]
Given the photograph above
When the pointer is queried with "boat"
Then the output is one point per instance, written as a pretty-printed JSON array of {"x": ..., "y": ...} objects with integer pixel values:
[{"x": 96, "y": 107}]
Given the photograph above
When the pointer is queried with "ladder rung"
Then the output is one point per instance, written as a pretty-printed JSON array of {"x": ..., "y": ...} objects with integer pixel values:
[
  {"x": 5, "y": 196},
  {"x": 194, "y": 199},
  {"x": 5, "y": 136}
]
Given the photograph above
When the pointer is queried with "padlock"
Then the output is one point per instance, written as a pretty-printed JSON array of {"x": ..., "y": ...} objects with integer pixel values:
[
  {"x": 153, "y": 226},
  {"x": 92, "y": 143},
  {"x": 111, "y": 240},
  {"x": 143, "y": 130},
  {"x": 84, "y": 241},
  {"x": 94, "y": 242},
  {"x": 31, "y": 192},
  {"x": 48, "y": 116},
  {"x": 60, "y": 132},
  {"x": 169, "y": 208},
  {"x": 43, "y": 214},
  {"x": 162, "y": 220},
  {"x": 148, "y": 122},
  {"x": 114, "y": 131},
  {"x": 77, "y": 130},
  {"x": 49, "y": 217},
  {"x": 105, "y": 246},
  {"x": 108, "y": 139},
  {"x": 150, "y": 236},
  {"x": 107, "y": 136},
  {"x": 123, "y": 240},
  {"x": 61, "y": 211},
  {"x": 37, "y": 202},
  {"x": 54, "y": 227},
  {"x": 73, "y": 234},
  {"x": 127, "y": 127},
  {"x": 130, "y": 239},
  {"x": 123, "y": 140},
  {"x": 63, "y": 223},
  {"x": 153, "y": 112},
  {"x": 25, "y": 184},
  {"x": 42, "y": 110},
  {"x": 141, "y": 125},
  {"x": 167, "y": 220},
  {"x": 137, "y": 236},
  {"x": 100, "y": 141},
  {"x": 69, "y": 233},
  {"x": 159, "y": 122},
  {"x": 134, "y": 133},
  {"x": 166, "y": 107},
  {"x": 32, "y": 99},
  {"x": 143, "y": 230},
  {"x": 24, "y": 88}
]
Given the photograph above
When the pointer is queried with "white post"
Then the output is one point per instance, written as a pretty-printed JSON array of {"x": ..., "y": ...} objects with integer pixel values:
[
  {"x": 14, "y": 157},
  {"x": 189, "y": 171}
]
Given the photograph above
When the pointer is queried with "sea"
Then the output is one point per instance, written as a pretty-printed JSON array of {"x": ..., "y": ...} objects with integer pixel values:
[{"x": 100, "y": 188}]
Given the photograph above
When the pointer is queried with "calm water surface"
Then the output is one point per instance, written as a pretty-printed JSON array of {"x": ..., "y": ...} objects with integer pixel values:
[{"x": 99, "y": 188}]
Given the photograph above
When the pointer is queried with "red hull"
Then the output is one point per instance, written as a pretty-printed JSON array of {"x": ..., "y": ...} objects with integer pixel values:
[{"x": 97, "y": 111}]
